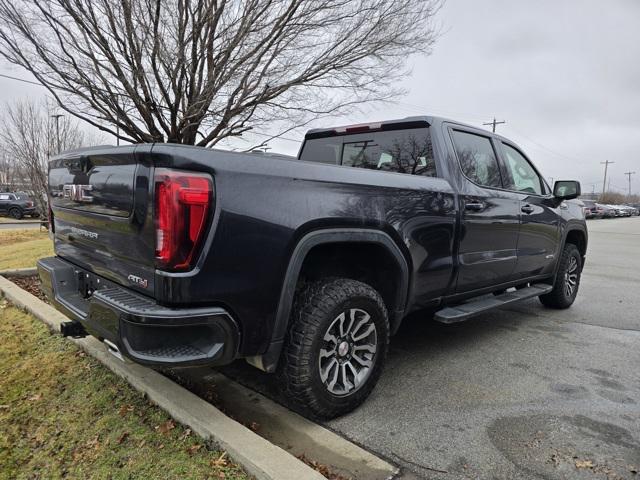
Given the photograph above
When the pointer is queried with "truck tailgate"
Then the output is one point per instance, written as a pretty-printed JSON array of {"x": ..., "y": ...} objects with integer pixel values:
[{"x": 101, "y": 204}]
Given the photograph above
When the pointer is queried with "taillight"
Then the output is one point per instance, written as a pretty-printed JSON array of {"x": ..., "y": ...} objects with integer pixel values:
[{"x": 183, "y": 201}]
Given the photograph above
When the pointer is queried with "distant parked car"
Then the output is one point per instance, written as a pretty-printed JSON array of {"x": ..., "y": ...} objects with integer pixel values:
[
  {"x": 17, "y": 205},
  {"x": 592, "y": 209},
  {"x": 627, "y": 210},
  {"x": 607, "y": 210},
  {"x": 636, "y": 206},
  {"x": 620, "y": 211}
]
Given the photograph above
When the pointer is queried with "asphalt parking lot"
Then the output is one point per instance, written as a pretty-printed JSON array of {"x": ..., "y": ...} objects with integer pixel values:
[{"x": 525, "y": 392}]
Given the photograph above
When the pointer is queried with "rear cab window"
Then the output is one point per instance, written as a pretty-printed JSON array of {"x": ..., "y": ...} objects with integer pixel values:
[{"x": 407, "y": 151}]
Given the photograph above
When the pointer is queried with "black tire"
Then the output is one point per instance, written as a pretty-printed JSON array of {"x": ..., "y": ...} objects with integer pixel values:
[
  {"x": 15, "y": 213},
  {"x": 560, "y": 297},
  {"x": 316, "y": 310}
]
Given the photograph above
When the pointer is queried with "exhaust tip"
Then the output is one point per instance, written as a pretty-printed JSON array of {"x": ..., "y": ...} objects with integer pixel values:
[{"x": 113, "y": 349}]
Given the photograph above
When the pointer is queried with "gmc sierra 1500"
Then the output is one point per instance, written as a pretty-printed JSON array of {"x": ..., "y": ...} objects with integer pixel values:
[{"x": 177, "y": 256}]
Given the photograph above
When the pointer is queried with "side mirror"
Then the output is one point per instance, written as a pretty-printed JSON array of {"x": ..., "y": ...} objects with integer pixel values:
[{"x": 566, "y": 189}]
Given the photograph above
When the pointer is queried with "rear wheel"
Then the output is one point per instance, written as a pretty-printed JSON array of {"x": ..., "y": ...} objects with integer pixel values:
[
  {"x": 565, "y": 287},
  {"x": 336, "y": 347},
  {"x": 15, "y": 213}
]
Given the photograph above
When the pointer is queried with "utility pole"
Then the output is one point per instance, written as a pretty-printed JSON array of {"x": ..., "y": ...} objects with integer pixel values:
[
  {"x": 604, "y": 183},
  {"x": 628, "y": 174},
  {"x": 494, "y": 123},
  {"x": 57, "y": 117}
]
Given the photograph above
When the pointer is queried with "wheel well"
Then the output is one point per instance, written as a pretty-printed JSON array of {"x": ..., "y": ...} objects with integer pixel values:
[
  {"x": 370, "y": 263},
  {"x": 577, "y": 238}
]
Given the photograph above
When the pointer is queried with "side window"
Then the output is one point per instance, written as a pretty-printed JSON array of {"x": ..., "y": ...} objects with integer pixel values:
[
  {"x": 525, "y": 178},
  {"x": 477, "y": 158},
  {"x": 4, "y": 196}
]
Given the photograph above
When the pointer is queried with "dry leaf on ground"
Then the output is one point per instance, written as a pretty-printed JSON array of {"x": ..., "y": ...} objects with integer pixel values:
[
  {"x": 193, "y": 449},
  {"x": 124, "y": 409},
  {"x": 220, "y": 461},
  {"x": 166, "y": 427},
  {"x": 584, "y": 464},
  {"x": 122, "y": 437}
]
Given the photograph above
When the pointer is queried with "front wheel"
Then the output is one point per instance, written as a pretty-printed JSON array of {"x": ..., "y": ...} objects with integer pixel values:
[
  {"x": 15, "y": 213},
  {"x": 336, "y": 347},
  {"x": 565, "y": 286}
]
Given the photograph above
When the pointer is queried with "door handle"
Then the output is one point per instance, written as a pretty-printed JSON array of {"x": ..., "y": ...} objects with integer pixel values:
[
  {"x": 475, "y": 206},
  {"x": 526, "y": 209}
]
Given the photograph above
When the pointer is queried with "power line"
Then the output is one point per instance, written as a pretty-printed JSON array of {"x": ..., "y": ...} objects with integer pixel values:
[
  {"x": 423, "y": 110},
  {"x": 20, "y": 80},
  {"x": 547, "y": 149},
  {"x": 275, "y": 137}
]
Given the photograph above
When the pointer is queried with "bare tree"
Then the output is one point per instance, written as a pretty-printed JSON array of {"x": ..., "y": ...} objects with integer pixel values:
[
  {"x": 9, "y": 174},
  {"x": 28, "y": 137},
  {"x": 170, "y": 70},
  {"x": 616, "y": 198}
]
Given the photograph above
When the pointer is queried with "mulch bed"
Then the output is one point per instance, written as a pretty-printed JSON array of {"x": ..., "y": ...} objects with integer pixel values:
[{"x": 31, "y": 284}]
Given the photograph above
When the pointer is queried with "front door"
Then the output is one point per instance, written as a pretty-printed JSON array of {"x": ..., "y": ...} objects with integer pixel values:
[
  {"x": 540, "y": 215},
  {"x": 490, "y": 217}
]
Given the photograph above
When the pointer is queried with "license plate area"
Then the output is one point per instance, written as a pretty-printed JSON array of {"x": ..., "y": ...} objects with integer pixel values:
[{"x": 87, "y": 284}]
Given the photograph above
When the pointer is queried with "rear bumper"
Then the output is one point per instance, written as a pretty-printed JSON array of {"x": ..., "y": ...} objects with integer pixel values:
[{"x": 143, "y": 331}]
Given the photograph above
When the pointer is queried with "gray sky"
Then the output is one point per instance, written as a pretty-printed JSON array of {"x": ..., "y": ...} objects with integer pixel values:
[{"x": 565, "y": 75}]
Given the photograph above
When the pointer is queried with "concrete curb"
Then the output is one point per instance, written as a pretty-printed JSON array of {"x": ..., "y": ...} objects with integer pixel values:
[
  {"x": 259, "y": 457},
  {"x": 19, "y": 272},
  {"x": 294, "y": 433}
]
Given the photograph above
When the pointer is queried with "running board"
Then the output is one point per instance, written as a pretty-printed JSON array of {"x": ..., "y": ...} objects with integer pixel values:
[{"x": 464, "y": 311}]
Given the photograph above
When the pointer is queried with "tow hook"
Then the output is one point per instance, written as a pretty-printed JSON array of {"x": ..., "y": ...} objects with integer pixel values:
[{"x": 72, "y": 329}]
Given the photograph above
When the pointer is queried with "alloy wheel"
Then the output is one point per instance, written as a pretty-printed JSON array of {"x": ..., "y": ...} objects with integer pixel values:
[
  {"x": 571, "y": 277},
  {"x": 347, "y": 355}
]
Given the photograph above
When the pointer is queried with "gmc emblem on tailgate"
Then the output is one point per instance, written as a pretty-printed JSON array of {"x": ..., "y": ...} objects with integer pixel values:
[{"x": 77, "y": 193}]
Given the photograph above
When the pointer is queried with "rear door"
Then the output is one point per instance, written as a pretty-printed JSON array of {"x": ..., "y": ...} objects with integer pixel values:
[
  {"x": 102, "y": 214},
  {"x": 490, "y": 217},
  {"x": 540, "y": 216}
]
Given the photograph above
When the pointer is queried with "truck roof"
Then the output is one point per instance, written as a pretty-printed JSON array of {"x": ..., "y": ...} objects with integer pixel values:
[{"x": 394, "y": 124}]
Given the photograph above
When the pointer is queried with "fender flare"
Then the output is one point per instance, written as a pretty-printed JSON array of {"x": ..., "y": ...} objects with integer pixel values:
[
  {"x": 269, "y": 360},
  {"x": 571, "y": 227}
]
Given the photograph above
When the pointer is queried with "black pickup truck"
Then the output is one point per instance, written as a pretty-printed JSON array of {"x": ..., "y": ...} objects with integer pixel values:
[{"x": 178, "y": 256}]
